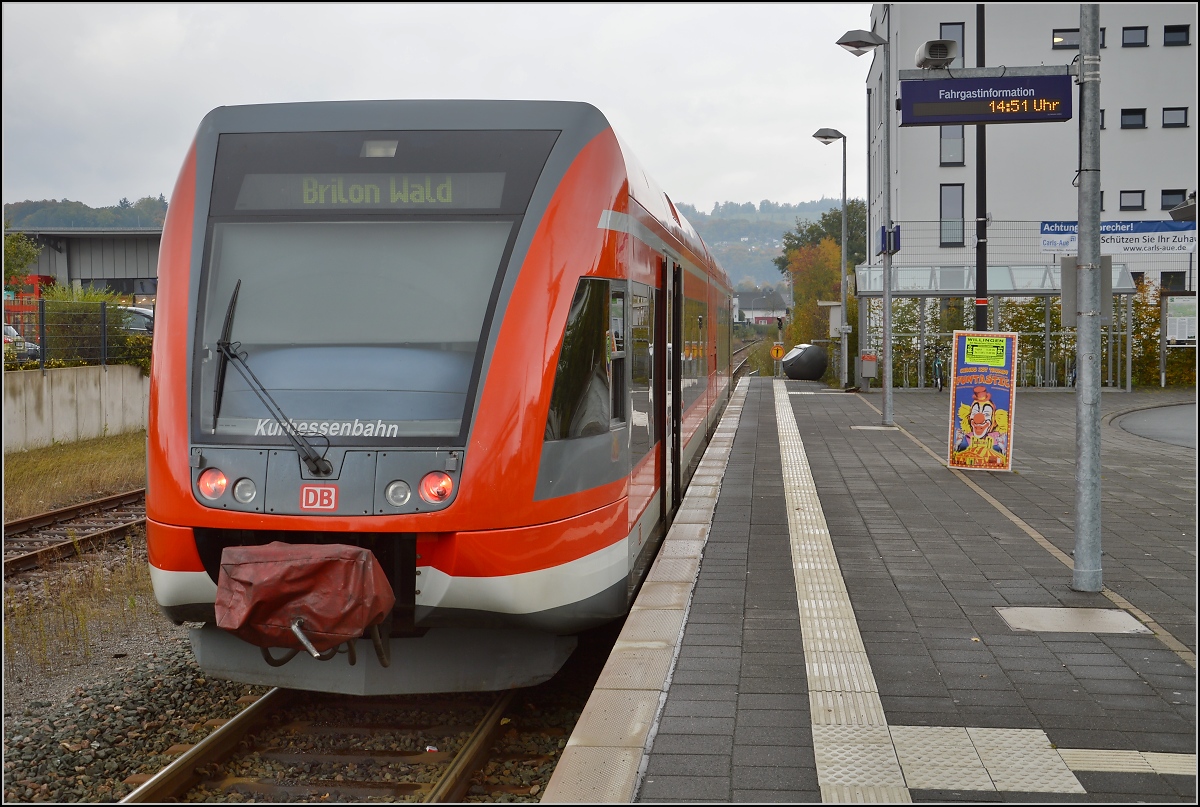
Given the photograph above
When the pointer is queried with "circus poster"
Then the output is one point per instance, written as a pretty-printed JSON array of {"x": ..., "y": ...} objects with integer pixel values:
[{"x": 983, "y": 391}]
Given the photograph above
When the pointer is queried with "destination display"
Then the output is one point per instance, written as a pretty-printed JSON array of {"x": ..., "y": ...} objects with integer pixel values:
[
  {"x": 426, "y": 192},
  {"x": 1026, "y": 99}
]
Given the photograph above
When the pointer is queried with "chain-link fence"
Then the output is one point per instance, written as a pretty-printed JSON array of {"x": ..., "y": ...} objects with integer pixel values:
[{"x": 41, "y": 334}]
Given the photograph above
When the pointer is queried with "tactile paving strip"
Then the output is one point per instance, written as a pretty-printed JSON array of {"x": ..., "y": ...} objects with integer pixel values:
[
  {"x": 856, "y": 756},
  {"x": 1182, "y": 764},
  {"x": 939, "y": 758},
  {"x": 1023, "y": 760},
  {"x": 1087, "y": 759},
  {"x": 856, "y": 760}
]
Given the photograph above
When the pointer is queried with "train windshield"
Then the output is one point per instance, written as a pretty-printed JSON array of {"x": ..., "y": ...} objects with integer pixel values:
[{"x": 363, "y": 300}]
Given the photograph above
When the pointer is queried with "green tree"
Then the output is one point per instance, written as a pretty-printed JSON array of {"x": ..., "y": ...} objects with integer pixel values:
[
  {"x": 20, "y": 252},
  {"x": 73, "y": 324},
  {"x": 810, "y": 233}
]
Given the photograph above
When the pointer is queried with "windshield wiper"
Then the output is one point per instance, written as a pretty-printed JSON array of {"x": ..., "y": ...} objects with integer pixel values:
[
  {"x": 317, "y": 464},
  {"x": 223, "y": 360}
]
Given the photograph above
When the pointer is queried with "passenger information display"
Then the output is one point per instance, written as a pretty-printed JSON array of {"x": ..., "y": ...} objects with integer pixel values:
[
  {"x": 426, "y": 192},
  {"x": 1026, "y": 99}
]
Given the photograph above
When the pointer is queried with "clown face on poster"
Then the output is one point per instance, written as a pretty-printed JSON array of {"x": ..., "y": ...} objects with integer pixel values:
[{"x": 982, "y": 392}]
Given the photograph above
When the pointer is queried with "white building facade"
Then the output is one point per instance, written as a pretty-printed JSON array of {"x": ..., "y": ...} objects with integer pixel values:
[{"x": 1148, "y": 144}]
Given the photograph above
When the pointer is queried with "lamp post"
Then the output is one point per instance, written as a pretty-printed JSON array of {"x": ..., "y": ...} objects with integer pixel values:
[
  {"x": 858, "y": 43},
  {"x": 828, "y": 136}
]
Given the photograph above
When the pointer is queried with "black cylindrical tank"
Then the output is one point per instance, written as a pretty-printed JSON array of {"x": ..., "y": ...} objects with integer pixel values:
[{"x": 806, "y": 363}]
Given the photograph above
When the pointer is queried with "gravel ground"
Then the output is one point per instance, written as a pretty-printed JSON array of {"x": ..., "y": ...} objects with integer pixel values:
[
  {"x": 74, "y": 733},
  {"x": 74, "y": 737}
]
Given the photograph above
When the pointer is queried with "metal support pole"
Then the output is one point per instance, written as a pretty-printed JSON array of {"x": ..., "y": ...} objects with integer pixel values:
[
  {"x": 1046, "y": 371},
  {"x": 1129, "y": 343},
  {"x": 1162, "y": 338},
  {"x": 887, "y": 220},
  {"x": 845, "y": 335},
  {"x": 1088, "y": 574},
  {"x": 1109, "y": 334},
  {"x": 44, "y": 346},
  {"x": 981, "y": 303},
  {"x": 921, "y": 344},
  {"x": 864, "y": 308}
]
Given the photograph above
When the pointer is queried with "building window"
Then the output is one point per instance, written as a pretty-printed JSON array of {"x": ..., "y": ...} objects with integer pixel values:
[
  {"x": 952, "y": 216},
  {"x": 954, "y": 30},
  {"x": 1102, "y": 119},
  {"x": 1174, "y": 117},
  {"x": 1177, "y": 35},
  {"x": 1134, "y": 37},
  {"x": 1068, "y": 38},
  {"x": 1173, "y": 198},
  {"x": 1133, "y": 119},
  {"x": 1133, "y": 200},
  {"x": 1101, "y": 200},
  {"x": 952, "y": 152}
]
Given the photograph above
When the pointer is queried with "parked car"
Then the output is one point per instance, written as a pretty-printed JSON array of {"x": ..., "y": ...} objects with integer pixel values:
[
  {"x": 24, "y": 350},
  {"x": 141, "y": 320}
]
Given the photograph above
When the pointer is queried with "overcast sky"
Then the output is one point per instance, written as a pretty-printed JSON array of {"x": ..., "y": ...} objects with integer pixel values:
[{"x": 719, "y": 101}]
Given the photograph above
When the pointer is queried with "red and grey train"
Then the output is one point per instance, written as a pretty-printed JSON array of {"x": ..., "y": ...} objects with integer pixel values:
[{"x": 471, "y": 338}]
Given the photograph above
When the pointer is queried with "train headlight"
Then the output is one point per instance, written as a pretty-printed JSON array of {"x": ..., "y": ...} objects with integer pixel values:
[
  {"x": 244, "y": 490},
  {"x": 397, "y": 493},
  {"x": 436, "y": 487},
  {"x": 212, "y": 484}
]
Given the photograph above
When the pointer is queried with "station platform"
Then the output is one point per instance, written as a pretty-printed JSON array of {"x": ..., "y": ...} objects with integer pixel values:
[{"x": 836, "y": 616}]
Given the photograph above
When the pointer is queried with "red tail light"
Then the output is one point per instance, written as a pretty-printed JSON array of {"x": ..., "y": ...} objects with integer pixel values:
[
  {"x": 212, "y": 484},
  {"x": 436, "y": 487}
]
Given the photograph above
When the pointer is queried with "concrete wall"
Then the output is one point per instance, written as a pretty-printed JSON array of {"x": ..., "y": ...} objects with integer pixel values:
[{"x": 72, "y": 403}]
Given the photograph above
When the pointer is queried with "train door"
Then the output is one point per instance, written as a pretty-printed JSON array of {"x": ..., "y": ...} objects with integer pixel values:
[{"x": 669, "y": 411}]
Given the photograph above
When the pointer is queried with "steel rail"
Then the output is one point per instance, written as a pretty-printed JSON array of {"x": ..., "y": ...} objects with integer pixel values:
[
  {"x": 471, "y": 757},
  {"x": 40, "y": 520},
  {"x": 190, "y": 768},
  {"x": 65, "y": 549},
  {"x": 180, "y": 776}
]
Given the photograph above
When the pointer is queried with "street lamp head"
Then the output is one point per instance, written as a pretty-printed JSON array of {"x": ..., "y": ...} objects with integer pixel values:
[
  {"x": 860, "y": 42},
  {"x": 828, "y": 136}
]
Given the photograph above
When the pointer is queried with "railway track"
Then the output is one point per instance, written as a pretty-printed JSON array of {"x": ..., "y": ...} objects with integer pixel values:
[
  {"x": 41, "y": 539},
  {"x": 739, "y": 366},
  {"x": 303, "y": 746}
]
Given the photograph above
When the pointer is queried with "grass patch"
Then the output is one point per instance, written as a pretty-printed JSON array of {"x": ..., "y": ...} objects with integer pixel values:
[
  {"x": 59, "y": 617},
  {"x": 58, "y": 621},
  {"x": 64, "y": 474}
]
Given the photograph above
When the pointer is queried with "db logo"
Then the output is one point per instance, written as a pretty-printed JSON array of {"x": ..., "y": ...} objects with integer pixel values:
[{"x": 318, "y": 497}]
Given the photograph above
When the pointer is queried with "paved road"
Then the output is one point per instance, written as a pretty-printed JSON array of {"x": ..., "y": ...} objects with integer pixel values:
[{"x": 1175, "y": 425}]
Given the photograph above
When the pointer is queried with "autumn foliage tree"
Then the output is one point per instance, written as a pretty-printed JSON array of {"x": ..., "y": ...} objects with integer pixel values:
[{"x": 815, "y": 271}]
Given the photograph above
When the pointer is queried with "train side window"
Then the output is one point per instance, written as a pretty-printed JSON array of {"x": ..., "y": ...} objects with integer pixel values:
[
  {"x": 579, "y": 403},
  {"x": 616, "y": 345},
  {"x": 641, "y": 359}
]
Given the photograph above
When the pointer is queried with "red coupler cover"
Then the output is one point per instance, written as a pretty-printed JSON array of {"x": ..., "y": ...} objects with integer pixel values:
[{"x": 339, "y": 591}]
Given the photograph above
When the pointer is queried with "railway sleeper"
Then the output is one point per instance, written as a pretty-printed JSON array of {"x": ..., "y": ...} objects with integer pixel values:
[{"x": 322, "y": 789}]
